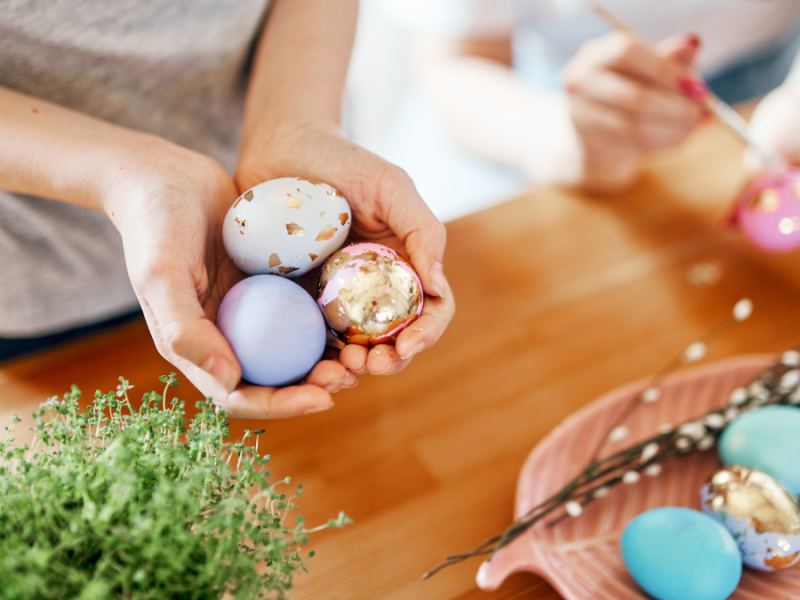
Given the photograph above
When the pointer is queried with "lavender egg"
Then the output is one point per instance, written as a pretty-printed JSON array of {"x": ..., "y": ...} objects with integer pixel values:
[
  {"x": 768, "y": 212},
  {"x": 368, "y": 294},
  {"x": 275, "y": 329},
  {"x": 285, "y": 226}
]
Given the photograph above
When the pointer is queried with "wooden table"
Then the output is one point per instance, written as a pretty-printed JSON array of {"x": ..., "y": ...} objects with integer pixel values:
[{"x": 560, "y": 298}]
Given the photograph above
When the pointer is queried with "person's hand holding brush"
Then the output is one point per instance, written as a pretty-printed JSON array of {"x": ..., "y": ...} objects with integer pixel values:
[{"x": 628, "y": 98}]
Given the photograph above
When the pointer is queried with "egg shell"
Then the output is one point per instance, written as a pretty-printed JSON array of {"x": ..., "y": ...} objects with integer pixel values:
[
  {"x": 767, "y": 439},
  {"x": 768, "y": 211},
  {"x": 681, "y": 554},
  {"x": 285, "y": 226},
  {"x": 275, "y": 329},
  {"x": 368, "y": 294}
]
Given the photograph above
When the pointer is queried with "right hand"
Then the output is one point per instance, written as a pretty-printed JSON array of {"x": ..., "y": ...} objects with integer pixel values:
[
  {"x": 169, "y": 214},
  {"x": 626, "y": 99}
]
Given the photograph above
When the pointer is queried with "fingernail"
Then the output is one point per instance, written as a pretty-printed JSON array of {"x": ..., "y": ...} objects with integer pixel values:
[
  {"x": 692, "y": 88},
  {"x": 436, "y": 276},
  {"x": 386, "y": 370},
  {"x": 221, "y": 370},
  {"x": 315, "y": 409},
  {"x": 417, "y": 349},
  {"x": 336, "y": 384},
  {"x": 693, "y": 40}
]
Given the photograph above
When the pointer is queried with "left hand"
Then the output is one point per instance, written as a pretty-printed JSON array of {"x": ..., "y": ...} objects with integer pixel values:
[{"x": 386, "y": 209}]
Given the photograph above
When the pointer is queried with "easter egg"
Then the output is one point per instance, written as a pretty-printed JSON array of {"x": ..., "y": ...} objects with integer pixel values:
[
  {"x": 285, "y": 226},
  {"x": 768, "y": 211},
  {"x": 274, "y": 327},
  {"x": 368, "y": 294},
  {"x": 767, "y": 439},
  {"x": 681, "y": 554},
  {"x": 761, "y": 515}
]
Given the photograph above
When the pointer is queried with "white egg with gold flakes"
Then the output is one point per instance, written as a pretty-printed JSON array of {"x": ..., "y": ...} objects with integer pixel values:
[{"x": 285, "y": 226}]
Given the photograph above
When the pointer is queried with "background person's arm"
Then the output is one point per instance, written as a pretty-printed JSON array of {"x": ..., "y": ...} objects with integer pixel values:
[{"x": 292, "y": 129}]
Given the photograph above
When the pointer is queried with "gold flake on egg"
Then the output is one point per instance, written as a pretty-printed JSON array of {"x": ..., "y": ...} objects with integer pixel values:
[
  {"x": 326, "y": 233},
  {"x": 248, "y": 195},
  {"x": 294, "y": 229},
  {"x": 286, "y": 270},
  {"x": 240, "y": 222},
  {"x": 334, "y": 193},
  {"x": 293, "y": 202},
  {"x": 274, "y": 260},
  {"x": 313, "y": 181},
  {"x": 322, "y": 214},
  {"x": 312, "y": 256},
  {"x": 343, "y": 218},
  {"x": 767, "y": 201}
]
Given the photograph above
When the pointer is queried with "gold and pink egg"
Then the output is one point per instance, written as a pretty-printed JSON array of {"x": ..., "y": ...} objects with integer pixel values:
[
  {"x": 768, "y": 211},
  {"x": 368, "y": 294}
]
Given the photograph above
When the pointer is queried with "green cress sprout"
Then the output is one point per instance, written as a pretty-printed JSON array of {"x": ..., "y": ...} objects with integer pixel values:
[{"x": 117, "y": 502}]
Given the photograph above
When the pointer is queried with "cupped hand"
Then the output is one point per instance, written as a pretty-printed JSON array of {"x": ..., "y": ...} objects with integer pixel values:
[
  {"x": 169, "y": 214},
  {"x": 627, "y": 98},
  {"x": 386, "y": 209}
]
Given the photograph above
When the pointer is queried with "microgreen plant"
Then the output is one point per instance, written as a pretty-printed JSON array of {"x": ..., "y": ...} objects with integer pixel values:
[{"x": 120, "y": 502}]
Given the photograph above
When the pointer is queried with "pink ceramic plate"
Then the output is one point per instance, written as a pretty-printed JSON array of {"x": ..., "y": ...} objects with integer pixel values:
[{"x": 580, "y": 556}]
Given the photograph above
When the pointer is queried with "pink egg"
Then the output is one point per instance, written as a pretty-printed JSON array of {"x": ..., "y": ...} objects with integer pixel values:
[{"x": 768, "y": 211}]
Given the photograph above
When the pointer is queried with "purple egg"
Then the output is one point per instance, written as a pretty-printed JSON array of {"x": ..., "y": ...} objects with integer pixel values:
[
  {"x": 768, "y": 212},
  {"x": 275, "y": 329}
]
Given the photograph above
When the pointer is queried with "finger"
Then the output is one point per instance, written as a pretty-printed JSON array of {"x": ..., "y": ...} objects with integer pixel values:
[
  {"x": 619, "y": 91},
  {"x": 628, "y": 54},
  {"x": 602, "y": 121},
  {"x": 384, "y": 360},
  {"x": 328, "y": 374},
  {"x": 182, "y": 329},
  {"x": 652, "y": 136},
  {"x": 258, "y": 402},
  {"x": 682, "y": 49},
  {"x": 429, "y": 327},
  {"x": 354, "y": 358},
  {"x": 421, "y": 233}
]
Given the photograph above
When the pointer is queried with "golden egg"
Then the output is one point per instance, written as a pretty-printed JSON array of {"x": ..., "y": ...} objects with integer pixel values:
[{"x": 761, "y": 515}]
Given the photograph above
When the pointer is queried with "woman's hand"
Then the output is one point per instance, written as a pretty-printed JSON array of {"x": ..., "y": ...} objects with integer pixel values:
[
  {"x": 775, "y": 124},
  {"x": 626, "y": 99},
  {"x": 169, "y": 214},
  {"x": 386, "y": 209}
]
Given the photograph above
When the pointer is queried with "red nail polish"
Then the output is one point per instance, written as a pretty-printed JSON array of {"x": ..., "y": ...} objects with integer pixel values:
[
  {"x": 692, "y": 40},
  {"x": 693, "y": 88}
]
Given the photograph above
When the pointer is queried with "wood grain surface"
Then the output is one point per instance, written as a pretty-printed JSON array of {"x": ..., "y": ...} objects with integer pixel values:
[{"x": 560, "y": 297}]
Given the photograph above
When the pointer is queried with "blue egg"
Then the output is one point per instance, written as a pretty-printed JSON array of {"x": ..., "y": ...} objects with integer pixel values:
[
  {"x": 275, "y": 329},
  {"x": 681, "y": 554},
  {"x": 767, "y": 439}
]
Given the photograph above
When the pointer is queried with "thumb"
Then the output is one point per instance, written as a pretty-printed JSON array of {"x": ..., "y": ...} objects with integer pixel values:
[
  {"x": 422, "y": 234},
  {"x": 182, "y": 331},
  {"x": 682, "y": 49}
]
